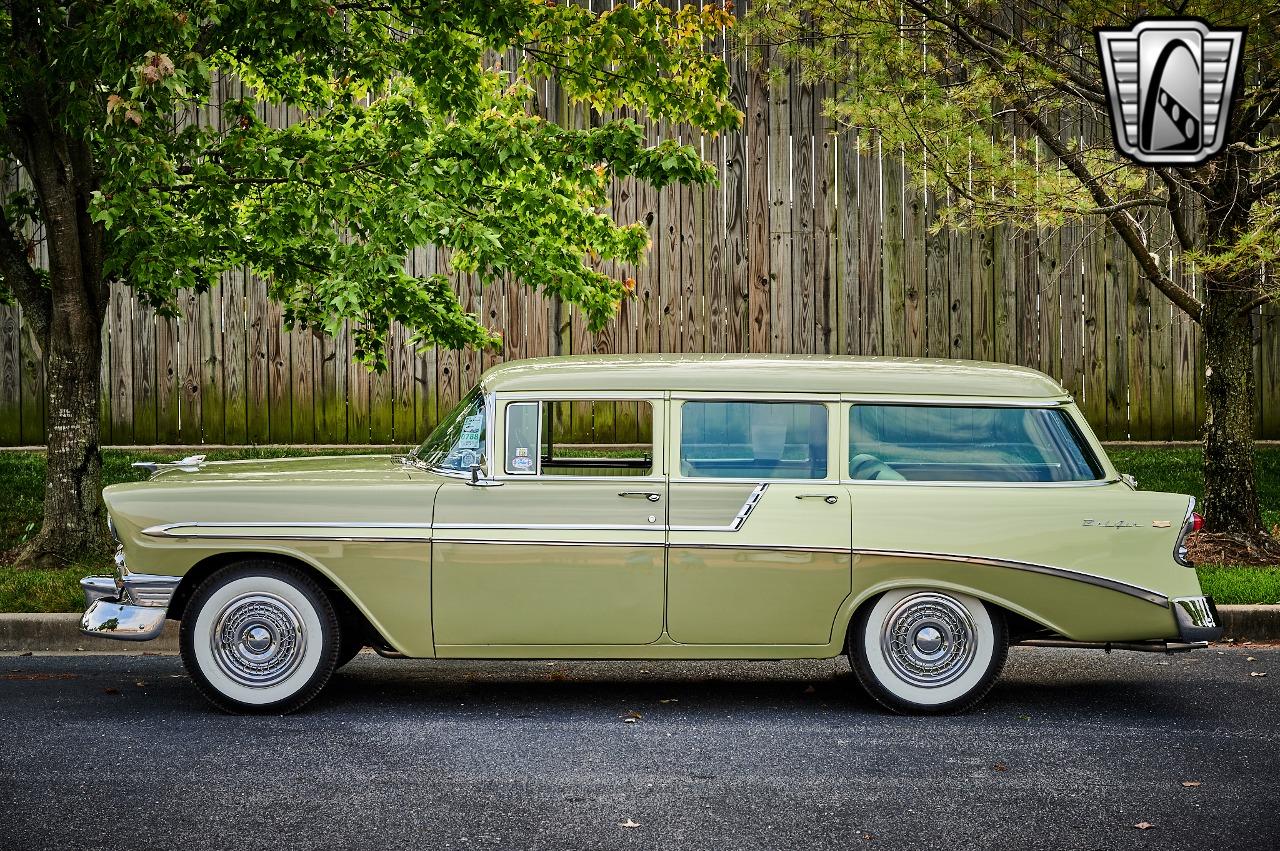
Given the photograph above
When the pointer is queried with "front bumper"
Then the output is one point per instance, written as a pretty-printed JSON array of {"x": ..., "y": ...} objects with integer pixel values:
[
  {"x": 127, "y": 606},
  {"x": 1197, "y": 619}
]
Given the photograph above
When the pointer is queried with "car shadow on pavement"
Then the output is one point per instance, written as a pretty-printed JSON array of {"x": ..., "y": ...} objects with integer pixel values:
[{"x": 812, "y": 688}]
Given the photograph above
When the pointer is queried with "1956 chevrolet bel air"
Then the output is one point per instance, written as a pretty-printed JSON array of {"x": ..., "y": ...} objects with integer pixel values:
[{"x": 920, "y": 516}]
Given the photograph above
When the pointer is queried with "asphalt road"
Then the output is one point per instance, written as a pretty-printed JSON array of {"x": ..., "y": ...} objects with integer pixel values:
[{"x": 1071, "y": 750}]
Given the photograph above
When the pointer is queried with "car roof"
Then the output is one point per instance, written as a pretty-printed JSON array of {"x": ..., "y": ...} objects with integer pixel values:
[{"x": 734, "y": 373}]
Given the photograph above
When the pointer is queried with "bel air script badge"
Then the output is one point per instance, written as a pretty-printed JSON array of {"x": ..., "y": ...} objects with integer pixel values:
[
  {"x": 1112, "y": 524},
  {"x": 1169, "y": 83}
]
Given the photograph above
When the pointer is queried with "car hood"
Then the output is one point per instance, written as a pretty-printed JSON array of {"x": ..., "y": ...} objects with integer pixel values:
[{"x": 326, "y": 469}]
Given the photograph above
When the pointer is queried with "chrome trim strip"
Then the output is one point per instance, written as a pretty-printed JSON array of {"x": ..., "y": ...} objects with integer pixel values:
[
  {"x": 1088, "y": 483},
  {"x": 760, "y": 547},
  {"x": 591, "y": 527},
  {"x": 739, "y": 519},
  {"x": 917, "y": 401},
  {"x": 664, "y": 544},
  {"x": 1032, "y": 567},
  {"x": 531, "y": 543},
  {"x": 165, "y": 530}
]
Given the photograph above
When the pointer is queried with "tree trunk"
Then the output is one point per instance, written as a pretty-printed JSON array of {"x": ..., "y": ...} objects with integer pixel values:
[
  {"x": 74, "y": 520},
  {"x": 1230, "y": 487},
  {"x": 67, "y": 316}
]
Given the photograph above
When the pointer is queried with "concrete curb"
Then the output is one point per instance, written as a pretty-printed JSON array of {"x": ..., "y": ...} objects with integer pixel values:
[
  {"x": 61, "y": 632},
  {"x": 1251, "y": 623}
]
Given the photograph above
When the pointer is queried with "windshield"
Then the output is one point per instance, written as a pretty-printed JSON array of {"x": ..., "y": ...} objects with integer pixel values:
[{"x": 457, "y": 443}]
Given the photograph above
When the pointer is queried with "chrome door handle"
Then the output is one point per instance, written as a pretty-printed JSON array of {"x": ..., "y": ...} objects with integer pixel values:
[
  {"x": 829, "y": 499},
  {"x": 649, "y": 495}
]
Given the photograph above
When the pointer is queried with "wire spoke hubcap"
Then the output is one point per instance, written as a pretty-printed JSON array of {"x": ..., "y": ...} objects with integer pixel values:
[
  {"x": 928, "y": 640},
  {"x": 258, "y": 639}
]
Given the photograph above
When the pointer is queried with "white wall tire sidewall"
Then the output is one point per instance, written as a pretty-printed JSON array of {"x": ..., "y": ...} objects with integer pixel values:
[
  {"x": 313, "y": 652},
  {"x": 985, "y": 649}
]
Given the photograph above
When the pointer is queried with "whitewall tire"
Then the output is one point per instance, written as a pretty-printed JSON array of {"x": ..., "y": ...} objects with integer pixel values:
[
  {"x": 259, "y": 637},
  {"x": 925, "y": 651}
]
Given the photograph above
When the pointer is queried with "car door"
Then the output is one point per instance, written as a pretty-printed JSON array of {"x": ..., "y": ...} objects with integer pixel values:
[
  {"x": 759, "y": 547},
  {"x": 567, "y": 545}
]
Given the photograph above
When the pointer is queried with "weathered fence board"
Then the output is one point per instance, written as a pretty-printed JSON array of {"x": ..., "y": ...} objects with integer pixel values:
[{"x": 813, "y": 241}]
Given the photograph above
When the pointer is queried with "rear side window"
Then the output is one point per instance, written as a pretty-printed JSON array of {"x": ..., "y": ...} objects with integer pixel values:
[
  {"x": 935, "y": 443},
  {"x": 753, "y": 440}
]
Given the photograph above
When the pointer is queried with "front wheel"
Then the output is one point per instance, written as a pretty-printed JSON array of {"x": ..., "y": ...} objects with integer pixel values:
[
  {"x": 927, "y": 652},
  {"x": 260, "y": 637}
]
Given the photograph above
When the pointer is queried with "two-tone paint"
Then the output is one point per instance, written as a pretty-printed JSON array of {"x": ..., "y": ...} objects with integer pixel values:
[{"x": 665, "y": 566}]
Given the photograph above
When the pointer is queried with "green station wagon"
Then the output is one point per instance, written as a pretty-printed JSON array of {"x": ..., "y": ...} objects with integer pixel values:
[{"x": 917, "y": 515}]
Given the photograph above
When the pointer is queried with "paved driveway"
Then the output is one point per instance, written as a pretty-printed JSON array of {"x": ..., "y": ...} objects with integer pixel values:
[{"x": 1071, "y": 750}]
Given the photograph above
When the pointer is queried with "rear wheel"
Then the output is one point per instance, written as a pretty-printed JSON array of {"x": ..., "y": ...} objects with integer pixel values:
[
  {"x": 927, "y": 652},
  {"x": 260, "y": 637}
]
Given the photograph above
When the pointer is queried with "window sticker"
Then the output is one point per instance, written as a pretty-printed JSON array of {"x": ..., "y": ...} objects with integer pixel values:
[
  {"x": 473, "y": 424},
  {"x": 521, "y": 462},
  {"x": 522, "y": 452}
]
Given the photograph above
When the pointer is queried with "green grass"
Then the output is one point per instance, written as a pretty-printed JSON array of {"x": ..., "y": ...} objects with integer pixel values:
[
  {"x": 1240, "y": 584},
  {"x": 22, "y": 483},
  {"x": 44, "y": 590},
  {"x": 1178, "y": 471}
]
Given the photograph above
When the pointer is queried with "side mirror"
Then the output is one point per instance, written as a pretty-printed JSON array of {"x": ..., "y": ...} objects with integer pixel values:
[
  {"x": 477, "y": 482},
  {"x": 1129, "y": 480}
]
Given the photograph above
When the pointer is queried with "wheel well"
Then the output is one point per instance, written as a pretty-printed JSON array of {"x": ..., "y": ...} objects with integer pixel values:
[
  {"x": 348, "y": 613},
  {"x": 1020, "y": 626}
]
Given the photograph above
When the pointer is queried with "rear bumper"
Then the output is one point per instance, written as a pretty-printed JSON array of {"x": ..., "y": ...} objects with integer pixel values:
[{"x": 1197, "y": 619}]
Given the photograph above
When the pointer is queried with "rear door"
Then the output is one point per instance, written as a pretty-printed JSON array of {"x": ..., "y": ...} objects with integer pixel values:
[{"x": 758, "y": 551}]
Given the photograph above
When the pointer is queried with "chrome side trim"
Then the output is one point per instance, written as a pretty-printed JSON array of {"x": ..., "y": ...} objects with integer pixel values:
[
  {"x": 739, "y": 519},
  {"x": 531, "y": 543},
  {"x": 166, "y": 530},
  {"x": 1031, "y": 567},
  {"x": 662, "y": 544},
  {"x": 592, "y": 527},
  {"x": 1087, "y": 483},
  {"x": 957, "y": 401}
]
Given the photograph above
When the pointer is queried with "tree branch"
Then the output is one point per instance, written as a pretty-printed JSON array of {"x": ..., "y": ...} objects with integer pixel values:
[
  {"x": 32, "y": 295},
  {"x": 1265, "y": 186},
  {"x": 1177, "y": 210},
  {"x": 1121, "y": 220},
  {"x": 1264, "y": 298}
]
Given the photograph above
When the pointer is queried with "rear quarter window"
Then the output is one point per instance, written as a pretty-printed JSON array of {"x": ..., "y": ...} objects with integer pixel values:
[{"x": 938, "y": 443}]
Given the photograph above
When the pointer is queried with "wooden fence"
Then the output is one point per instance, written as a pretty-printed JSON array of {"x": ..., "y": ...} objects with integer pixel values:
[{"x": 810, "y": 244}]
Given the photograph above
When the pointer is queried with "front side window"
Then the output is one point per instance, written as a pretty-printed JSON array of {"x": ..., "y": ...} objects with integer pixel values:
[
  {"x": 457, "y": 443},
  {"x": 753, "y": 440},
  {"x": 604, "y": 437},
  {"x": 936, "y": 443}
]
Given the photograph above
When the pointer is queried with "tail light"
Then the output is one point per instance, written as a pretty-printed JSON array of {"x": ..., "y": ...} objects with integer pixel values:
[{"x": 1193, "y": 523}]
